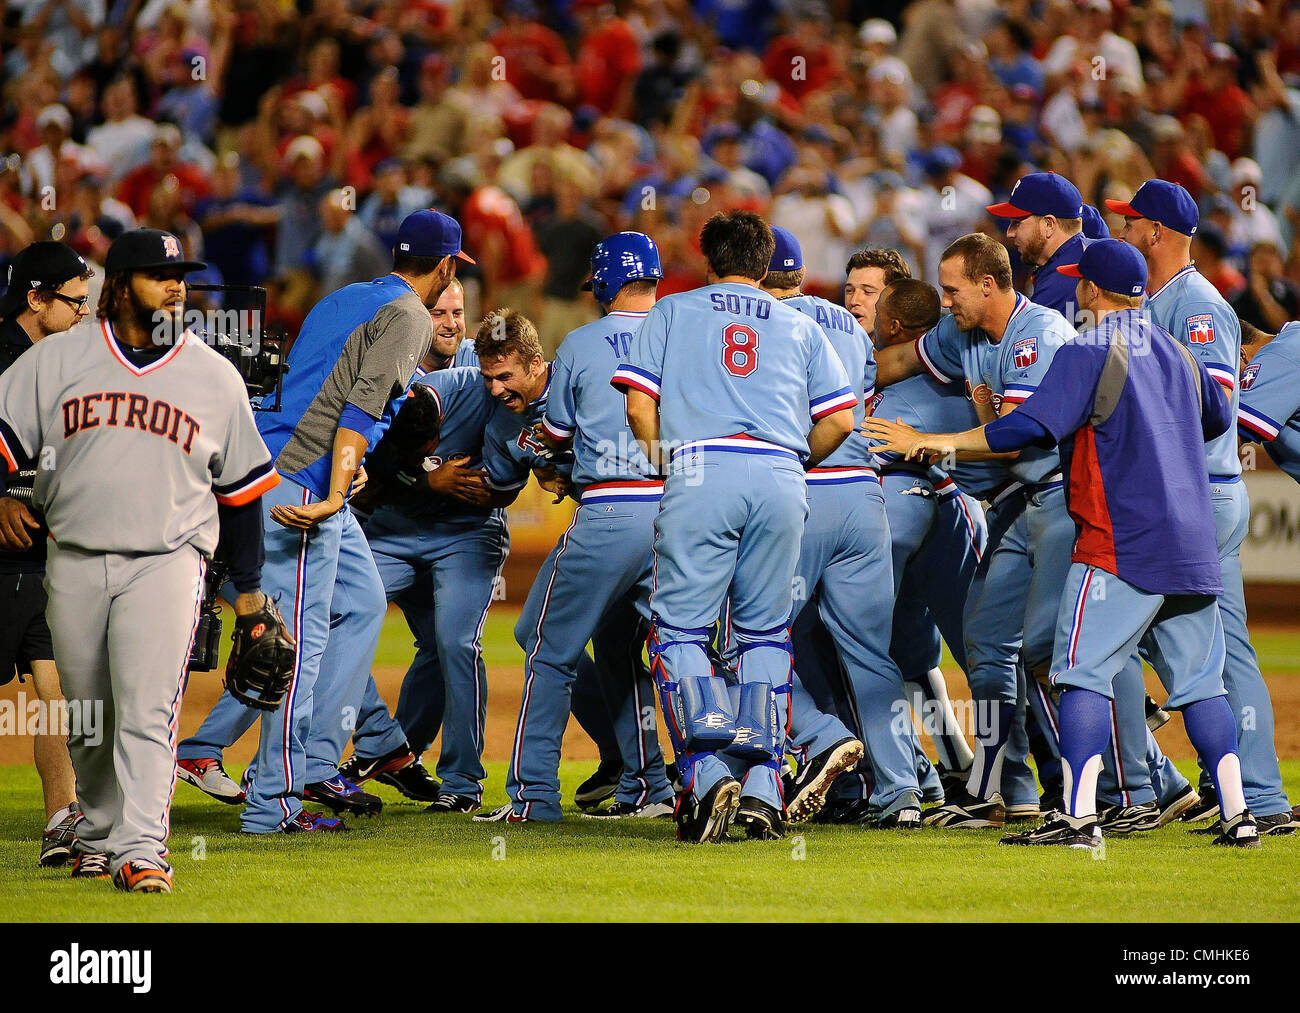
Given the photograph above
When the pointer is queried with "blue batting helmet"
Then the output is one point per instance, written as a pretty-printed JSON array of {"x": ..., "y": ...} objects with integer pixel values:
[{"x": 620, "y": 258}]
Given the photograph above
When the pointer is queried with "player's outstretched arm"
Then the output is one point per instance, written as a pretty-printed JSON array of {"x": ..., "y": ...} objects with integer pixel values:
[
  {"x": 896, "y": 363},
  {"x": 827, "y": 434}
]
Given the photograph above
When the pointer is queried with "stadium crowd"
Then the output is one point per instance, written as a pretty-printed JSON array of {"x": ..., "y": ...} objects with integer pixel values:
[{"x": 285, "y": 142}]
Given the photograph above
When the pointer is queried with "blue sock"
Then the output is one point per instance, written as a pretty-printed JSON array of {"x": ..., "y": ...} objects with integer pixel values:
[
  {"x": 1213, "y": 732},
  {"x": 1085, "y": 731}
]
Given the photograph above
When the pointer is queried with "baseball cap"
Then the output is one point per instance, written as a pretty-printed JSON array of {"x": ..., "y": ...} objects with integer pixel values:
[
  {"x": 1112, "y": 265},
  {"x": 45, "y": 264},
  {"x": 787, "y": 255},
  {"x": 54, "y": 114},
  {"x": 941, "y": 159},
  {"x": 1163, "y": 202},
  {"x": 877, "y": 31},
  {"x": 1040, "y": 193},
  {"x": 146, "y": 249},
  {"x": 430, "y": 233},
  {"x": 1094, "y": 226}
]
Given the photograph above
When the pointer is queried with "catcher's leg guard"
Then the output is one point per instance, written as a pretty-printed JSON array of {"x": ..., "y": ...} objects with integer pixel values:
[
  {"x": 696, "y": 706},
  {"x": 757, "y": 722},
  {"x": 766, "y": 669}
]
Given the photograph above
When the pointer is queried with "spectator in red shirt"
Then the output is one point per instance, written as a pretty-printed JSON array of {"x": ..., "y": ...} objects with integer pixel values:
[
  {"x": 1217, "y": 96},
  {"x": 609, "y": 59},
  {"x": 190, "y": 181},
  {"x": 537, "y": 62},
  {"x": 802, "y": 61}
]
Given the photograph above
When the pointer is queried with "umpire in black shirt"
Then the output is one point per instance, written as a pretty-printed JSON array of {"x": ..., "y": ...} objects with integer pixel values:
[{"x": 47, "y": 294}]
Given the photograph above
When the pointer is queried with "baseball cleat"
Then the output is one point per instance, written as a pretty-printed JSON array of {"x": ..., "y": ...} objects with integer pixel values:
[
  {"x": 342, "y": 796},
  {"x": 953, "y": 782},
  {"x": 1025, "y": 812},
  {"x": 506, "y": 814},
  {"x": 626, "y": 810},
  {"x": 1157, "y": 716},
  {"x": 210, "y": 777},
  {"x": 360, "y": 769},
  {"x": 1059, "y": 830},
  {"x": 310, "y": 823},
  {"x": 413, "y": 781},
  {"x": 1116, "y": 820},
  {"x": 674, "y": 777},
  {"x": 448, "y": 802},
  {"x": 1239, "y": 832},
  {"x": 600, "y": 786},
  {"x": 966, "y": 812},
  {"x": 762, "y": 822},
  {"x": 844, "y": 811},
  {"x": 139, "y": 877},
  {"x": 56, "y": 843},
  {"x": 1184, "y": 801},
  {"x": 907, "y": 818},
  {"x": 90, "y": 865},
  {"x": 807, "y": 789},
  {"x": 1206, "y": 809},
  {"x": 705, "y": 821},
  {"x": 1276, "y": 825}
]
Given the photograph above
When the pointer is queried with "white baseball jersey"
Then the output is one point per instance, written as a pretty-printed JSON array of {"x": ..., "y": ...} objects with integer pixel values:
[{"x": 132, "y": 458}]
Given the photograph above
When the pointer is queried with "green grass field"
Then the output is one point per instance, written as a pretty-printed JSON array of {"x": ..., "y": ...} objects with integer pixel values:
[{"x": 408, "y": 866}]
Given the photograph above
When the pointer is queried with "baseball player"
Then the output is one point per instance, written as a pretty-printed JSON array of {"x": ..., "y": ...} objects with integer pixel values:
[
  {"x": 148, "y": 455},
  {"x": 1159, "y": 221},
  {"x": 355, "y": 355},
  {"x": 1155, "y": 559},
  {"x": 47, "y": 295},
  {"x": 730, "y": 381},
  {"x": 935, "y": 520},
  {"x": 845, "y": 564},
  {"x": 604, "y": 557},
  {"x": 1002, "y": 344},
  {"x": 1046, "y": 225}
]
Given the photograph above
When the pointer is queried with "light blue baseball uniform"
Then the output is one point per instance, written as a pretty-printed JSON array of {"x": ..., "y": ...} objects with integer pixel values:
[
  {"x": 844, "y": 565},
  {"x": 740, "y": 379},
  {"x": 1013, "y": 600},
  {"x": 354, "y": 357},
  {"x": 1190, "y": 308},
  {"x": 1270, "y": 400},
  {"x": 601, "y": 563},
  {"x": 938, "y": 533},
  {"x": 440, "y": 559}
]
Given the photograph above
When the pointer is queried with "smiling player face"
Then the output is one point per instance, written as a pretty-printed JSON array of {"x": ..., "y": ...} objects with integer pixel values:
[
  {"x": 861, "y": 290},
  {"x": 512, "y": 382},
  {"x": 448, "y": 316},
  {"x": 966, "y": 298}
]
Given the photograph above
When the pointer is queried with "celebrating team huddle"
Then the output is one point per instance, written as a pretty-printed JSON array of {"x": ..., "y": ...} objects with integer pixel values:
[{"x": 783, "y": 507}]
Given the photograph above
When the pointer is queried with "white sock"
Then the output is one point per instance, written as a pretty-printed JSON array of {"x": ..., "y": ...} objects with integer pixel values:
[
  {"x": 1085, "y": 806},
  {"x": 960, "y": 747},
  {"x": 1227, "y": 779}
]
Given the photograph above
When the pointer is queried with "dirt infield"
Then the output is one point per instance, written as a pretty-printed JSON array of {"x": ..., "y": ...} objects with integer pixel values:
[{"x": 506, "y": 684}]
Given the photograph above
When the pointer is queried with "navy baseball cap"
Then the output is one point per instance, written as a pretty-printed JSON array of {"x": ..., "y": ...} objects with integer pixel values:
[
  {"x": 620, "y": 258},
  {"x": 787, "y": 255},
  {"x": 430, "y": 233},
  {"x": 45, "y": 264},
  {"x": 941, "y": 159},
  {"x": 1163, "y": 202},
  {"x": 1112, "y": 265},
  {"x": 148, "y": 250},
  {"x": 1040, "y": 193},
  {"x": 1094, "y": 226}
]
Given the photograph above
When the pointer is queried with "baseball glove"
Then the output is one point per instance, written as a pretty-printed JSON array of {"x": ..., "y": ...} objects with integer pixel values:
[
  {"x": 261, "y": 661},
  {"x": 396, "y": 465}
]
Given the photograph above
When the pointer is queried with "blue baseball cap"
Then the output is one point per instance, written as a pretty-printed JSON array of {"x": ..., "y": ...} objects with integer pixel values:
[
  {"x": 941, "y": 159},
  {"x": 1094, "y": 226},
  {"x": 787, "y": 255},
  {"x": 1040, "y": 193},
  {"x": 430, "y": 233},
  {"x": 620, "y": 258},
  {"x": 1163, "y": 202},
  {"x": 1112, "y": 265}
]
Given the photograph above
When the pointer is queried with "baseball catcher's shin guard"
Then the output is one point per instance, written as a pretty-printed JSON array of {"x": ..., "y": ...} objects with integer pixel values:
[
  {"x": 758, "y": 722},
  {"x": 697, "y": 708}
]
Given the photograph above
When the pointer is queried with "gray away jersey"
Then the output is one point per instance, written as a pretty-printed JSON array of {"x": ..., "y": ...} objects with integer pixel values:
[
  {"x": 132, "y": 459},
  {"x": 728, "y": 360}
]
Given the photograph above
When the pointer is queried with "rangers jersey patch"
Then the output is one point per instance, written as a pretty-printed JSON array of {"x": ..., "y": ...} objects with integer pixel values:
[
  {"x": 1200, "y": 329},
  {"x": 1025, "y": 352},
  {"x": 1248, "y": 376}
]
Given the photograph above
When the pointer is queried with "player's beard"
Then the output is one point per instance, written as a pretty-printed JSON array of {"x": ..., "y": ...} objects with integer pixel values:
[{"x": 161, "y": 324}]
